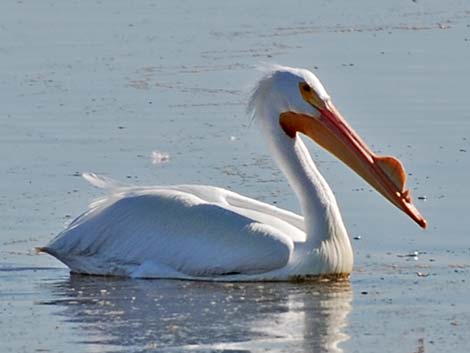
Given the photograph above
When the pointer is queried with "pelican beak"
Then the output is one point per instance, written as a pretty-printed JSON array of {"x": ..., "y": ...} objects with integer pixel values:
[{"x": 330, "y": 130}]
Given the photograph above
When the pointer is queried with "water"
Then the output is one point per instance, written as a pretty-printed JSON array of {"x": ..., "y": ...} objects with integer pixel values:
[{"x": 100, "y": 85}]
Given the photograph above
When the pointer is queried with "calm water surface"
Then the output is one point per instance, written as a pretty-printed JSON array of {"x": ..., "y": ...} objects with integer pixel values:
[{"x": 100, "y": 85}]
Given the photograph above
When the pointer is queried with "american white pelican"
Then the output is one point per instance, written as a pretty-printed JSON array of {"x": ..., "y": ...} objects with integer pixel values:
[{"x": 208, "y": 233}]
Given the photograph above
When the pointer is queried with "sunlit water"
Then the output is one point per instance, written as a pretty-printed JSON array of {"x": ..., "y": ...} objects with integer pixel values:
[
  {"x": 155, "y": 93},
  {"x": 182, "y": 315}
]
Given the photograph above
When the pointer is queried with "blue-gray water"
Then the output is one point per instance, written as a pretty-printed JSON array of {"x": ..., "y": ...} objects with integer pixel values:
[{"x": 99, "y": 85}]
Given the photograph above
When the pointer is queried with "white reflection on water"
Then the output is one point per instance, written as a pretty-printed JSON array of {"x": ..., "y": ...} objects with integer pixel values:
[{"x": 142, "y": 315}]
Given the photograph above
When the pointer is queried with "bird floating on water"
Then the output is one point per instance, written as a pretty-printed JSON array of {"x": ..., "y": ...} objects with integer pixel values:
[{"x": 203, "y": 232}]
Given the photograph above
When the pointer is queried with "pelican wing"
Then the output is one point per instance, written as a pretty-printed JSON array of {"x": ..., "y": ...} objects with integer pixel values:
[
  {"x": 180, "y": 231},
  {"x": 290, "y": 223}
]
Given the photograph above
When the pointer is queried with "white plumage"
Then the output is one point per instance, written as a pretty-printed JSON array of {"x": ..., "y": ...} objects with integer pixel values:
[{"x": 205, "y": 232}]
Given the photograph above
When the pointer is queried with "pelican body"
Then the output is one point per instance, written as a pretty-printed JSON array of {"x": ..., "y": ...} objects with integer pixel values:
[{"x": 203, "y": 232}]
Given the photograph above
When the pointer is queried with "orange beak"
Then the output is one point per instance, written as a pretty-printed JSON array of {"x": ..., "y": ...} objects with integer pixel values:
[{"x": 332, "y": 132}]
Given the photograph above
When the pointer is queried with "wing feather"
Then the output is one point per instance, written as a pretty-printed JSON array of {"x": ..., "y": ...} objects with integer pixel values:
[{"x": 173, "y": 229}]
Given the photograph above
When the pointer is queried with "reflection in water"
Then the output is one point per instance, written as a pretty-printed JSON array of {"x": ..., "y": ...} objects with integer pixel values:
[{"x": 140, "y": 315}]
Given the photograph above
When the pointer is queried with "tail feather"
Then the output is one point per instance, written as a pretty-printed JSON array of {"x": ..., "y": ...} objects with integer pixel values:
[
  {"x": 103, "y": 182},
  {"x": 41, "y": 249}
]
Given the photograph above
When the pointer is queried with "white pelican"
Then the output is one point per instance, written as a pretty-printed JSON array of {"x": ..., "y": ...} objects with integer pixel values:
[{"x": 208, "y": 233}]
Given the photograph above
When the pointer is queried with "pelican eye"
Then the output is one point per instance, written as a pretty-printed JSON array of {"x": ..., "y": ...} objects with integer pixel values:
[
  {"x": 310, "y": 95},
  {"x": 306, "y": 90}
]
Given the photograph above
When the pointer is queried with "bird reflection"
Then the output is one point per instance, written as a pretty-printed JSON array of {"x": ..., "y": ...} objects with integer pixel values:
[{"x": 142, "y": 315}]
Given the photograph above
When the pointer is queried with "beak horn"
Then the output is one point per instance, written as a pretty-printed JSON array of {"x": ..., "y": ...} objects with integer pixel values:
[{"x": 331, "y": 131}]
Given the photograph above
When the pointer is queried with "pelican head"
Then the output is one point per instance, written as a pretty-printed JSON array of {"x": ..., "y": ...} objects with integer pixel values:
[{"x": 289, "y": 101}]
